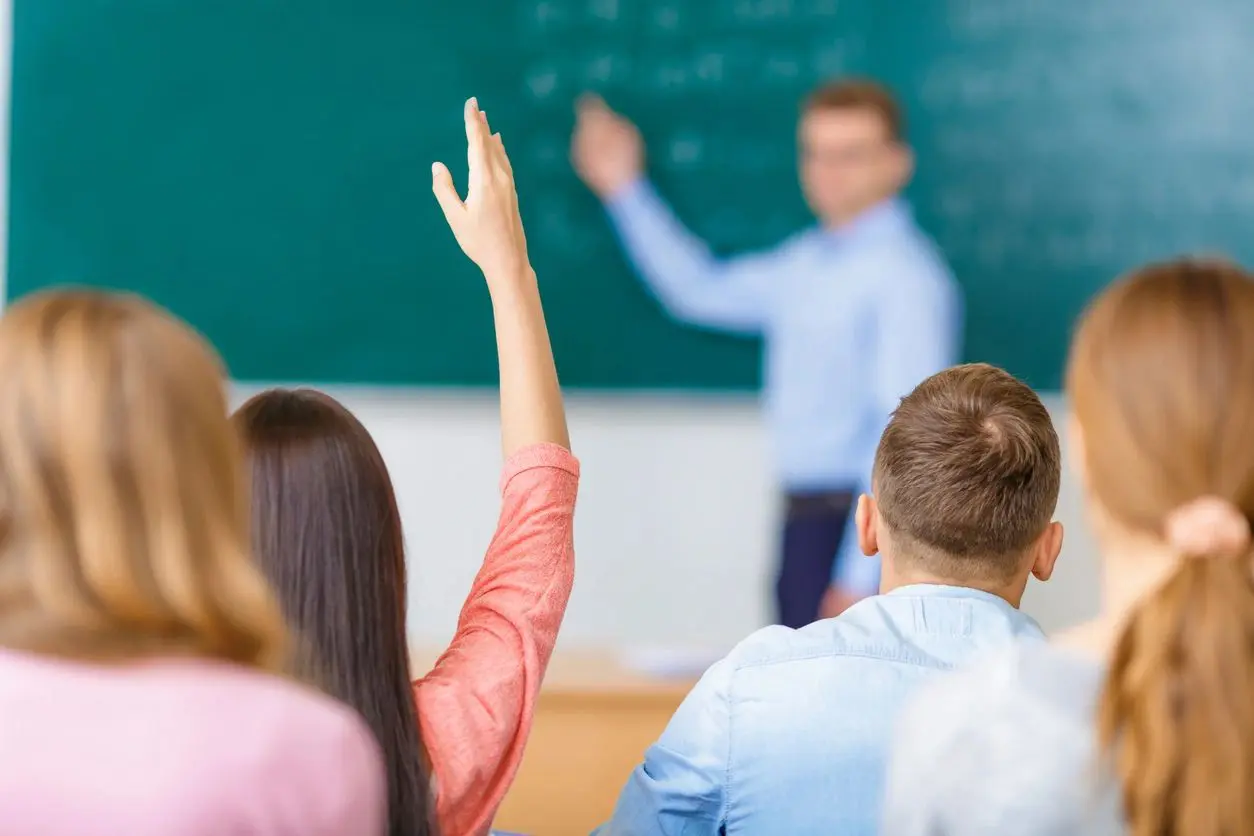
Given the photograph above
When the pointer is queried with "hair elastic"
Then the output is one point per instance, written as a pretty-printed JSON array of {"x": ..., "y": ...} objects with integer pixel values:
[{"x": 1208, "y": 526}]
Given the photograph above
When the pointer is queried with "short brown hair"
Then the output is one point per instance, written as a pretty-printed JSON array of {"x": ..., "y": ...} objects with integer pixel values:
[
  {"x": 860, "y": 94},
  {"x": 967, "y": 472}
]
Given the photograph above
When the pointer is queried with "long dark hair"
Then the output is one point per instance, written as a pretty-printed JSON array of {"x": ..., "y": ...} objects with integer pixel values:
[{"x": 328, "y": 535}]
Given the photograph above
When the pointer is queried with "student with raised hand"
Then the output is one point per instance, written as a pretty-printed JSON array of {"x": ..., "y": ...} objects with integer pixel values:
[
  {"x": 1141, "y": 721},
  {"x": 140, "y": 648},
  {"x": 790, "y": 733},
  {"x": 329, "y": 536}
]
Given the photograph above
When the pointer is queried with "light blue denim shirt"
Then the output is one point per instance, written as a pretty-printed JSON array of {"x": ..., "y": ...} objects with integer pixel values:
[
  {"x": 851, "y": 320},
  {"x": 790, "y": 733}
]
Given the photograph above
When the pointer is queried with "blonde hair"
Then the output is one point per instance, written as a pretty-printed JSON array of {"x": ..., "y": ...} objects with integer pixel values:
[
  {"x": 123, "y": 507},
  {"x": 1161, "y": 379}
]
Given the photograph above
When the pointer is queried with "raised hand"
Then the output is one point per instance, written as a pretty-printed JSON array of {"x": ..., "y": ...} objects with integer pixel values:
[
  {"x": 486, "y": 224},
  {"x": 606, "y": 149},
  {"x": 489, "y": 231}
]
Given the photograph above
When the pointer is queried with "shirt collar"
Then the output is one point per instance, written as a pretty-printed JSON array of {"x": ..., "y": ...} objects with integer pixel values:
[
  {"x": 886, "y": 216},
  {"x": 940, "y": 590},
  {"x": 940, "y": 610}
]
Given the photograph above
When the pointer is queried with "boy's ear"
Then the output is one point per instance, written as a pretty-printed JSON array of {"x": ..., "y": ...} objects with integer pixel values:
[
  {"x": 866, "y": 519},
  {"x": 1045, "y": 552}
]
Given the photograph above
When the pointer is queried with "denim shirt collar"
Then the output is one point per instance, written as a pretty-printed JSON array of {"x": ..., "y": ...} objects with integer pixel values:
[
  {"x": 940, "y": 590},
  {"x": 942, "y": 610},
  {"x": 888, "y": 216}
]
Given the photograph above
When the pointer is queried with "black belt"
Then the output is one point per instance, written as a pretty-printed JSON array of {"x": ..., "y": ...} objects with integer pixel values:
[{"x": 818, "y": 502}]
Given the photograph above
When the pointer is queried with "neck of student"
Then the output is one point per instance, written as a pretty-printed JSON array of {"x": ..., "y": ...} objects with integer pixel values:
[
  {"x": 1009, "y": 591},
  {"x": 1133, "y": 568}
]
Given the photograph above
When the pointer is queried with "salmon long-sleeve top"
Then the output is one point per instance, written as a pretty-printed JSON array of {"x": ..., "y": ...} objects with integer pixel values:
[{"x": 477, "y": 704}]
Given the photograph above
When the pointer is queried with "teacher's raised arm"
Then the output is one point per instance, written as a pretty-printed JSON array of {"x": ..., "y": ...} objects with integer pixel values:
[{"x": 818, "y": 299}]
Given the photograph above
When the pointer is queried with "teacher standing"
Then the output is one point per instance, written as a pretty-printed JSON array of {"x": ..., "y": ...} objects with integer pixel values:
[{"x": 853, "y": 312}]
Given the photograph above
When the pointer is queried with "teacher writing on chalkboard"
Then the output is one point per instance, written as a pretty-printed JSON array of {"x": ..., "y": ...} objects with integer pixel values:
[{"x": 853, "y": 312}]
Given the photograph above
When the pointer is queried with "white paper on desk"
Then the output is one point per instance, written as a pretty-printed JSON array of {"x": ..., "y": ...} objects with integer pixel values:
[{"x": 670, "y": 662}]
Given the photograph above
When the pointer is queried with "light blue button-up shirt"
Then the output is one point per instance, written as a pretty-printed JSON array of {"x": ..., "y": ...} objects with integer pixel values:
[
  {"x": 790, "y": 733},
  {"x": 851, "y": 320}
]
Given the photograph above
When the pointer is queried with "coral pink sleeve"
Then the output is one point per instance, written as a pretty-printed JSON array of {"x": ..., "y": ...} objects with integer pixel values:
[{"x": 476, "y": 705}]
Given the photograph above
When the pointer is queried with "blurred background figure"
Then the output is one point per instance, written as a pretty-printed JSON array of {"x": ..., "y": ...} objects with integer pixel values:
[{"x": 854, "y": 312}]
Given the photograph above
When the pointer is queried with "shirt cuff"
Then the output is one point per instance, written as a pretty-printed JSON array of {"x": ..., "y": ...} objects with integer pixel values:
[
  {"x": 539, "y": 455},
  {"x": 629, "y": 198}
]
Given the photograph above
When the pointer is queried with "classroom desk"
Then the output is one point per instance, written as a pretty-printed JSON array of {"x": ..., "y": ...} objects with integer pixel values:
[{"x": 594, "y": 720}]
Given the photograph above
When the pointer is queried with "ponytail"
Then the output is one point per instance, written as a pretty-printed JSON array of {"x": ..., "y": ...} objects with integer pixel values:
[{"x": 1176, "y": 716}]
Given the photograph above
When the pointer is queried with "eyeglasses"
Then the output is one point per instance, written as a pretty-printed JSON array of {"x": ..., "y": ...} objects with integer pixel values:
[{"x": 852, "y": 155}]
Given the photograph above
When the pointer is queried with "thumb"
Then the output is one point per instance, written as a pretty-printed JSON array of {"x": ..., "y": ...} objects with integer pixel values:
[{"x": 446, "y": 193}]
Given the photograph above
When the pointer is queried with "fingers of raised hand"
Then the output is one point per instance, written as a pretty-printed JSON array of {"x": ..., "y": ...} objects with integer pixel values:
[
  {"x": 446, "y": 193},
  {"x": 489, "y": 164},
  {"x": 502, "y": 158},
  {"x": 477, "y": 151},
  {"x": 495, "y": 150}
]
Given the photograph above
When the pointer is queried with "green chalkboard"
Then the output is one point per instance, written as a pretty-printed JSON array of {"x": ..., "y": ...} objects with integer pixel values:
[
  {"x": 261, "y": 166},
  {"x": 1062, "y": 142}
]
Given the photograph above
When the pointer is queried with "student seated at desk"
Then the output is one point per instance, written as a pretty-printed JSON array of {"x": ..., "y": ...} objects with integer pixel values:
[
  {"x": 139, "y": 645},
  {"x": 328, "y": 534},
  {"x": 790, "y": 732},
  {"x": 1140, "y": 722}
]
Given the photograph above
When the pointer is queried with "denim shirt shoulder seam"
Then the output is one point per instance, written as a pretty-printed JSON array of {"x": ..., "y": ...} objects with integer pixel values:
[
  {"x": 725, "y": 801},
  {"x": 888, "y": 654}
]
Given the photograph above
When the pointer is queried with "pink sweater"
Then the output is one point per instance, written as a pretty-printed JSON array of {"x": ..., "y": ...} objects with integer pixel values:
[
  {"x": 476, "y": 705},
  {"x": 196, "y": 748}
]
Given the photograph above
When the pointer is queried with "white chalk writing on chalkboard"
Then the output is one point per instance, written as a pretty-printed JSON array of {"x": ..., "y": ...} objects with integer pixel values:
[
  {"x": 666, "y": 17},
  {"x": 606, "y": 10},
  {"x": 692, "y": 50}
]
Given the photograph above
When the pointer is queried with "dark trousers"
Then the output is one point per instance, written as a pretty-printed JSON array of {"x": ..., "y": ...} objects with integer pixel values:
[{"x": 814, "y": 525}]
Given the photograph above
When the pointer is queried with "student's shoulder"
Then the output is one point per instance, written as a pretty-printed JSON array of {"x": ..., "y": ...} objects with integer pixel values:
[
  {"x": 779, "y": 645},
  {"x": 267, "y": 717},
  {"x": 251, "y": 744},
  {"x": 763, "y": 646},
  {"x": 295, "y": 708},
  {"x": 287, "y": 733}
]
